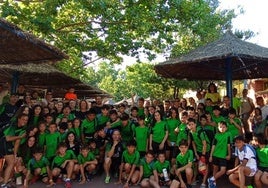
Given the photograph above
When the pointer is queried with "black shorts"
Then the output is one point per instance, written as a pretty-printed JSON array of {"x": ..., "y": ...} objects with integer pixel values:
[
  {"x": 6, "y": 148},
  {"x": 156, "y": 149},
  {"x": 219, "y": 161},
  {"x": 263, "y": 169}
]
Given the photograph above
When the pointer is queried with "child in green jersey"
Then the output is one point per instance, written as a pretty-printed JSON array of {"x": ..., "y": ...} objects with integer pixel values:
[
  {"x": 201, "y": 147},
  {"x": 216, "y": 116},
  {"x": 88, "y": 126},
  {"x": 130, "y": 160},
  {"x": 172, "y": 124},
  {"x": 51, "y": 142},
  {"x": 220, "y": 153},
  {"x": 184, "y": 166},
  {"x": 127, "y": 128},
  {"x": 41, "y": 134},
  {"x": 87, "y": 163},
  {"x": 146, "y": 177},
  {"x": 234, "y": 124},
  {"x": 64, "y": 163},
  {"x": 261, "y": 177},
  {"x": 38, "y": 167},
  {"x": 141, "y": 134},
  {"x": 161, "y": 170}
]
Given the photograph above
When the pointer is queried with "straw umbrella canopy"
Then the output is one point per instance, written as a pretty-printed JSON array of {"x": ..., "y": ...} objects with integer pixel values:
[
  {"x": 19, "y": 47},
  {"x": 45, "y": 76},
  {"x": 227, "y": 58}
]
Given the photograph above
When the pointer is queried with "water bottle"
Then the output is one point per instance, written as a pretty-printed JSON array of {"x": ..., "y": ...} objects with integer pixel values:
[{"x": 165, "y": 174}]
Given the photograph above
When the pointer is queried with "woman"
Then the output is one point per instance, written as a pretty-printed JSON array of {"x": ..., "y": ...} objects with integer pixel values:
[
  {"x": 81, "y": 112},
  {"x": 213, "y": 94},
  {"x": 159, "y": 134},
  {"x": 72, "y": 143}
]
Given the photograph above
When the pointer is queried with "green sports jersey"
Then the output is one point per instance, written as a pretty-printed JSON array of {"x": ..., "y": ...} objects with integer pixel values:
[
  {"x": 140, "y": 111},
  {"x": 184, "y": 159},
  {"x": 198, "y": 137},
  {"x": 221, "y": 142},
  {"x": 88, "y": 127},
  {"x": 102, "y": 120},
  {"x": 14, "y": 130},
  {"x": 127, "y": 132},
  {"x": 82, "y": 160},
  {"x": 232, "y": 128},
  {"x": 131, "y": 158},
  {"x": 59, "y": 160},
  {"x": 42, "y": 139},
  {"x": 71, "y": 116},
  {"x": 218, "y": 119},
  {"x": 141, "y": 134},
  {"x": 172, "y": 124},
  {"x": 158, "y": 131},
  {"x": 147, "y": 167},
  {"x": 34, "y": 164},
  {"x": 262, "y": 155},
  {"x": 158, "y": 166},
  {"x": 182, "y": 134},
  {"x": 51, "y": 142}
]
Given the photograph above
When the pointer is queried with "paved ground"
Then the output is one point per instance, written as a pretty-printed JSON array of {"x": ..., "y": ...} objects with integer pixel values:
[{"x": 98, "y": 182}]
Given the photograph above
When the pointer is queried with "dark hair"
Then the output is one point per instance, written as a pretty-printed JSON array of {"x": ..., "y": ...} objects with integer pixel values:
[
  {"x": 203, "y": 117},
  {"x": 113, "y": 112},
  {"x": 38, "y": 149},
  {"x": 131, "y": 142},
  {"x": 191, "y": 120},
  {"x": 151, "y": 152},
  {"x": 106, "y": 107},
  {"x": 62, "y": 145},
  {"x": 232, "y": 111},
  {"x": 141, "y": 117},
  {"x": 124, "y": 117},
  {"x": 84, "y": 147},
  {"x": 260, "y": 138},
  {"x": 134, "y": 108},
  {"x": 222, "y": 123},
  {"x": 215, "y": 87},
  {"x": 63, "y": 125},
  {"x": 239, "y": 138},
  {"x": 91, "y": 111},
  {"x": 183, "y": 142}
]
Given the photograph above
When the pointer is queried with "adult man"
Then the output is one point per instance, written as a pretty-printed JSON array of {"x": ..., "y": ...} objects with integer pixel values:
[
  {"x": 247, "y": 108},
  {"x": 263, "y": 107}
]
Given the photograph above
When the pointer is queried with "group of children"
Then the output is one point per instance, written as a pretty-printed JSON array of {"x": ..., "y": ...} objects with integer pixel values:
[{"x": 149, "y": 147}]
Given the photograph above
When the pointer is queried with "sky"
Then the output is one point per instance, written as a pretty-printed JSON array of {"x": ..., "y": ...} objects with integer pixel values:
[
  {"x": 254, "y": 18},
  {"x": 255, "y": 13}
]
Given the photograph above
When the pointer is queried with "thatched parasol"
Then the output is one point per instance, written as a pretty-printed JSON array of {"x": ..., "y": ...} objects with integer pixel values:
[
  {"x": 45, "y": 76},
  {"x": 227, "y": 58},
  {"x": 19, "y": 47}
]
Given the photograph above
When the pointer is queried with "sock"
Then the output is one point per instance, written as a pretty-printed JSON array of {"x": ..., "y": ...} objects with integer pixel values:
[
  {"x": 67, "y": 179},
  {"x": 212, "y": 178}
]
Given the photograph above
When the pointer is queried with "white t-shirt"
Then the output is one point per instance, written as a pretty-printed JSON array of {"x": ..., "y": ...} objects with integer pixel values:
[{"x": 248, "y": 154}]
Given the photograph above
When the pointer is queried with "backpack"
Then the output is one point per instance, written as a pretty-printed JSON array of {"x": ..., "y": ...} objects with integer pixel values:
[{"x": 209, "y": 134}]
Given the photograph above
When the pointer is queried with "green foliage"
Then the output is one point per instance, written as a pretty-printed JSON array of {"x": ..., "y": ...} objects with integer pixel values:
[{"x": 112, "y": 28}]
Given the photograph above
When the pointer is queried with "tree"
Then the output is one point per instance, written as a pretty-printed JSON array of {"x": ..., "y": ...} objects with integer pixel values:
[{"x": 113, "y": 28}]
